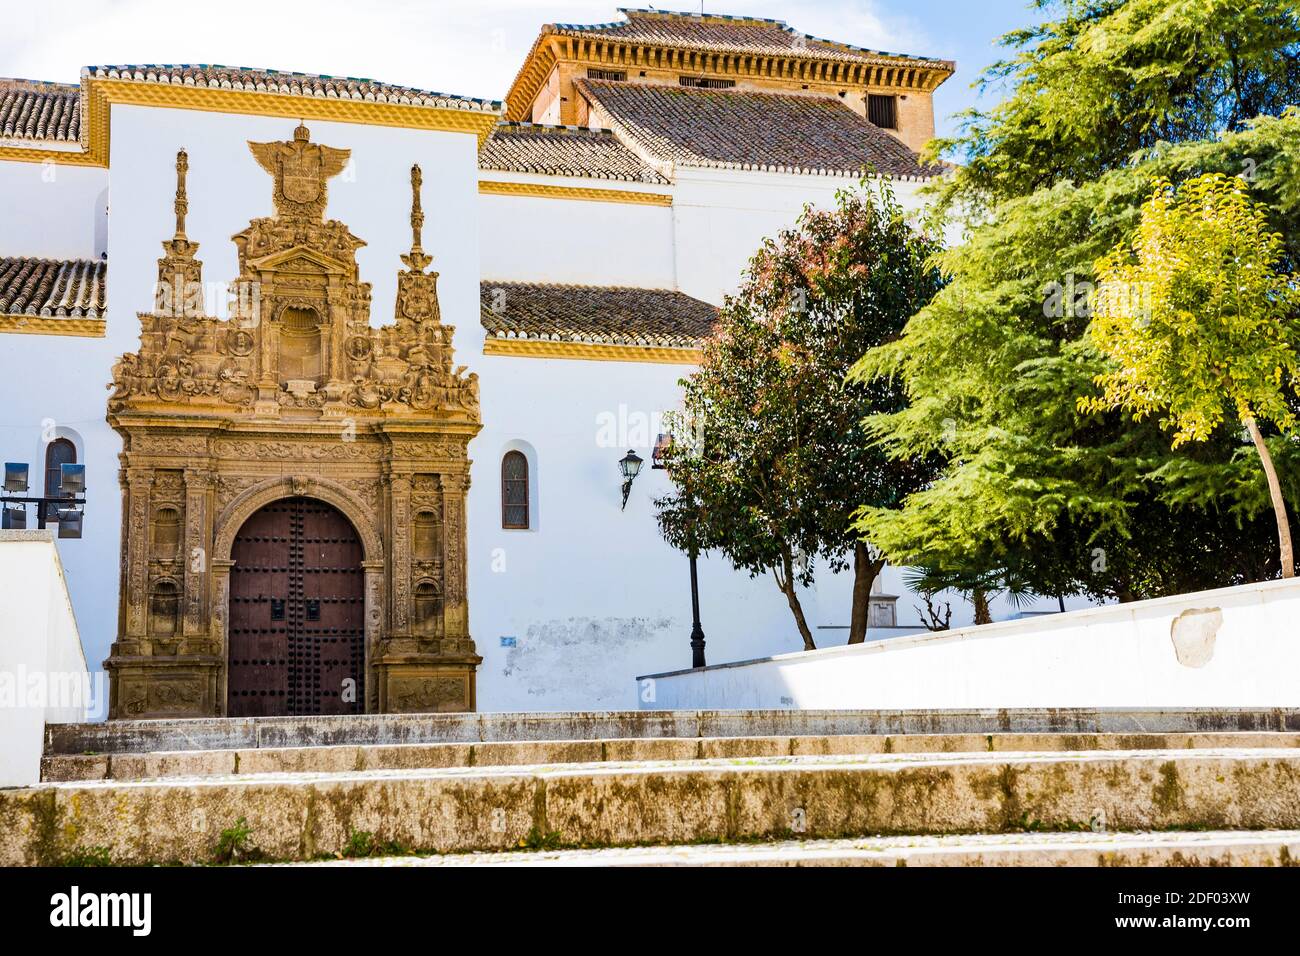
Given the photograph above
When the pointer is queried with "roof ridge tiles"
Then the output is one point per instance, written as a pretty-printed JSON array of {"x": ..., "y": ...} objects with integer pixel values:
[
  {"x": 299, "y": 83},
  {"x": 770, "y": 131}
]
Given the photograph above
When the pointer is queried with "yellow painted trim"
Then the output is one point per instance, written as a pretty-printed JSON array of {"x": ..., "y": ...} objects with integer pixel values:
[
  {"x": 878, "y": 70},
  {"x": 590, "y": 351},
  {"x": 253, "y": 102},
  {"x": 48, "y": 325},
  {"x": 63, "y": 157},
  {"x": 495, "y": 188},
  {"x": 99, "y": 94}
]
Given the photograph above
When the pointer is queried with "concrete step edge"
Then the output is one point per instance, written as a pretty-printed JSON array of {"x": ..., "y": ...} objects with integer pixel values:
[
  {"x": 1170, "y": 848},
  {"x": 767, "y": 764},
  {"x": 223, "y": 733},
  {"x": 345, "y": 758},
  {"x": 308, "y": 816}
]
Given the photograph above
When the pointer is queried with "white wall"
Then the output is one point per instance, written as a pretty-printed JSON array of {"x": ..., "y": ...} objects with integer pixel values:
[
  {"x": 535, "y": 239},
  {"x": 594, "y": 595},
  {"x": 43, "y": 676},
  {"x": 51, "y": 211},
  {"x": 721, "y": 216},
  {"x": 1232, "y": 647}
]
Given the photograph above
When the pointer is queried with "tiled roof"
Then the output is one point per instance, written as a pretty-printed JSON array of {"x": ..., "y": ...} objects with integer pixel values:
[
  {"x": 603, "y": 315},
  {"x": 563, "y": 151},
  {"x": 40, "y": 112},
  {"x": 779, "y": 132},
  {"x": 720, "y": 33},
  {"x": 250, "y": 79},
  {"x": 62, "y": 288}
]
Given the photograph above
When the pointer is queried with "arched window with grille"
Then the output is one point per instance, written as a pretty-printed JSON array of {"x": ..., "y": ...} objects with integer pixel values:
[
  {"x": 514, "y": 491},
  {"x": 58, "y": 452}
]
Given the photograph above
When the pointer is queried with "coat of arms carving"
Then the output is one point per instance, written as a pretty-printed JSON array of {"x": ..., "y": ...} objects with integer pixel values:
[{"x": 301, "y": 169}]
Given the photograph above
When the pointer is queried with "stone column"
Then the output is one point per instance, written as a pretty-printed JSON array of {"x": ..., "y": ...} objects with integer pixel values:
[
  {"x": 219, "y": 625},
  {"x": 197, "y": 539},
  {"x": 455, "y": 548},
  {"x": 399, "y": 487},
  {"x": 374, "y": 625},
  {"x": 139, "y": 482}
]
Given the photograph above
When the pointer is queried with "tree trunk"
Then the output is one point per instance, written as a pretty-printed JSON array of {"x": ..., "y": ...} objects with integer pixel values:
[
  {"x": 786, "y": 584},
  {"x": 979, "y": 597},
  {"x": 1275, "y": 490},
  {"x": 865, "y": 572}
]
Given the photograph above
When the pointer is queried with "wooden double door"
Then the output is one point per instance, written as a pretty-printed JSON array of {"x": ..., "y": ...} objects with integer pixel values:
[{"x": 297, "y": 613}]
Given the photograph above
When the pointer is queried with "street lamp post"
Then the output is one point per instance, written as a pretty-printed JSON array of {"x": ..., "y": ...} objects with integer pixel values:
[{"x": 692, "y": 552}]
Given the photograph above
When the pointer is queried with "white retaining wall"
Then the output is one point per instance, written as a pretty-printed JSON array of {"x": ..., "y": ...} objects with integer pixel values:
[
  {"x": 43, "y": 677},
  {"x": 1232, "y": 647}
]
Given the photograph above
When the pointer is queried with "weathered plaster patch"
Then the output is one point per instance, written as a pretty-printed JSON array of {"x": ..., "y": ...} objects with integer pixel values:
[
  {"x": 1193, "y": 633},
  {"x": 577, "y": 658}
]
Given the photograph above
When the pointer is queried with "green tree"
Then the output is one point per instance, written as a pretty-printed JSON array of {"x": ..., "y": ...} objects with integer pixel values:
[
  {"x": 1197, "y": 320},
  {"x": 1099, "y": 81},
  {"x": 781, "y": 461},
  {"x": 1032, "y": 487}
]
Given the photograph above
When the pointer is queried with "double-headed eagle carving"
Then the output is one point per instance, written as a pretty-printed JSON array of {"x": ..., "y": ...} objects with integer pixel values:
[{"x": 301, "y": 169}]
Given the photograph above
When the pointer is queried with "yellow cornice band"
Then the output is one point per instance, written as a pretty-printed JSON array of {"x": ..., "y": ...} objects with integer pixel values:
[
  {"x": 590, "y": 352},
  {"x": 101, "y": 93},
  {"x": 538, "y": 190},
  {"x": 46, "y": 325}
]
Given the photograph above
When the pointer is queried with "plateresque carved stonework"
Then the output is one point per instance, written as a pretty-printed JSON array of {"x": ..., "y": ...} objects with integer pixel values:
[{"x": 294, "y": 396}]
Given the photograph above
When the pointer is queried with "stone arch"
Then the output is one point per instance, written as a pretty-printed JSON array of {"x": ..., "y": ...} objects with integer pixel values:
[{"x": 248, "y": 502}]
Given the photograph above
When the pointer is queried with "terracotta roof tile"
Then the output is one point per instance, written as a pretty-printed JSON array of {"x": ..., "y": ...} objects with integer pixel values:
[
  {"x": 779, "y": 132},
  {"x": 250, "y": 79},
  {"x": 563, "y": 151},
  {"x": 605, "y": 315},
  {"x": 729, "y": 34},
  {"x": 62, "y": 288},
  {"x": 40, "y": 112}
]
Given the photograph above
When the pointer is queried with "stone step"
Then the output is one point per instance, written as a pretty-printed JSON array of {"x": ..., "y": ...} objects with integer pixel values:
[
  {"x": 237, "y": 733},
  {"x": 1215, "y": 848},
  {"x": 305, "y": 816},
  {"x": 343, "y": 758}
]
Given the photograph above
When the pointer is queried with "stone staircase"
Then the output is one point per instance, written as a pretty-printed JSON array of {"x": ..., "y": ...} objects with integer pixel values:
[{"x": 1141, "y": 787}]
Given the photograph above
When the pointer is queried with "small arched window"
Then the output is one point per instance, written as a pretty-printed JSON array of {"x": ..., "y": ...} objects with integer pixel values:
[
  {"x": 514, "y": 491},
  {"x": 58, "y": 452}
]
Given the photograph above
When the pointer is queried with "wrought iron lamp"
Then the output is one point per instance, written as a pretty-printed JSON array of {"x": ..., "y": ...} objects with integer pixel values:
[
  {"x": 630, "y": 466},
  {"x": 657, "y": 458}
]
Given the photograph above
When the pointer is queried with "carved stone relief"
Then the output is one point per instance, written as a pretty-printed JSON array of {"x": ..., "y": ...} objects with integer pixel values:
[{"x": 294, "y": 394}]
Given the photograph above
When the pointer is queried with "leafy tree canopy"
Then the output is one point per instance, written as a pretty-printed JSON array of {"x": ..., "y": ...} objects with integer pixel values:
[
  {"x": 1073, "y": 502},
  {"x": 781, "y": 459},
  {"x": 1103, "y": 80}
]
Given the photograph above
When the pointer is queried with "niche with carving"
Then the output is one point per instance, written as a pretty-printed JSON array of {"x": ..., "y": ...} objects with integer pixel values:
[
  {"x": 428, "y": 536},
  {"x": 166, "y": 533},
  {"x": 428, "y": 609},
  {"x": 164, "y": 609},
  {"x": 300, "y": 345}
]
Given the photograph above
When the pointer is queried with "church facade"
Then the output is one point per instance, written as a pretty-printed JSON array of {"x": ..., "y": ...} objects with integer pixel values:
[{"x": 373, "y": 465}]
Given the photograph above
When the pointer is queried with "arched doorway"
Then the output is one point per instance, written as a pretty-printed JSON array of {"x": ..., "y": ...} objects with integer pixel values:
[{"x": 297, "y": 613}]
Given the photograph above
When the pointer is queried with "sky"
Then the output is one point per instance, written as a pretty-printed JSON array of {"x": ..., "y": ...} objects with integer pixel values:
[{"x": 472, "y": 47}]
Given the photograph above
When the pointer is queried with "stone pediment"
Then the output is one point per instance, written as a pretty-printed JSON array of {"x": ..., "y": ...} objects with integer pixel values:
[{"x": 301, "y": 260}]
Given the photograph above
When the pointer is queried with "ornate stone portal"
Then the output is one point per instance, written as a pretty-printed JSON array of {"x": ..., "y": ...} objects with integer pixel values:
[{"x": 295, "y": 395}]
